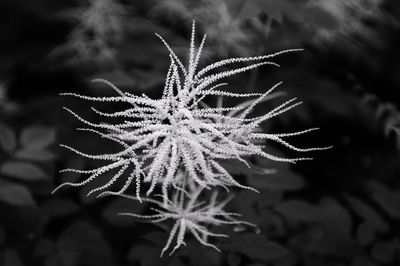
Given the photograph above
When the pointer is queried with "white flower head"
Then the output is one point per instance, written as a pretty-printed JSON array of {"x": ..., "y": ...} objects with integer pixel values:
[
  {"x": 180, "y": 131},
  {"x": 190, "y": 215}
]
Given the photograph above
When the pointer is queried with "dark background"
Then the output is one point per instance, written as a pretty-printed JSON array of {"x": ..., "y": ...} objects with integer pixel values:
[{"x": 342, "y": 208}]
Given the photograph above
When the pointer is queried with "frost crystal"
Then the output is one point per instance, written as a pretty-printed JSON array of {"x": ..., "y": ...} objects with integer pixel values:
[{"x": 179, "y": 132}]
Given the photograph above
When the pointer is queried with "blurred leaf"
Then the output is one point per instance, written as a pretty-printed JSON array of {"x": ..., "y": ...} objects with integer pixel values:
[
  {"x": 256, "y": 247},
  {"x": 234, "y": 259},
  {"x": 272, "y": 224},
  {"x": 268, "y": 198},
  {"x": 321, "y": 18},
  {"x": 22, "y": 171},
  {"x": 110, "y": 213},
  {"x": 147, "y": 255},
  {"x": 245, "y": 203},
  {"x": 384, "y": 252},
  {"x": 388, "y": 200},
  {"x": 11, "y": 258},
  {"x": 235, "y": 168},
  {"x": 44, "y": 248},
  {"x": 57, "y": 208},
  {"x": 365, "y": 233},
  {"x": 81, "y": 240},
  {"x": 36, "y": 137},
  {"x": 54, "y": 260},
  {"x": 362, "y": 261},
  {"x": 7, "y": 138},
  {"x": 335, "y": 218},
  {"x": 298, "y": 210},
  {"x": 34, "y": 155},
  {"x": 372, "y": 223},
  {"x": 368, "y": 214},
  {"x": 156, "y": 237},
  {"x": 16, "y": 195},
  {"x": 282, "y": 180}
]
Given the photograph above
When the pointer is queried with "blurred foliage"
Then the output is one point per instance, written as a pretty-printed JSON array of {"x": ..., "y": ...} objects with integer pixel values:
[{"x": 343, "y": 208}]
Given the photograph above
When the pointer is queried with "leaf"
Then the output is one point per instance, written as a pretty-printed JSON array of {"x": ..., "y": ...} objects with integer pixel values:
[
  {"x": 37, "y": 137},
  {"x": 362, "y": 261},
  {"x": 234, "y": 259},
  {"x": 235, "y": 168},
  {"x": 57, "y": 208},
  {"x": 257, "y": 247},
  {"x": 81, "y": 241},
  {"x": 7, "y": 138},
  {"x": 11, "y": 258},
  {"x": 372, "y": 223},
  {"x": 368, "y": 214},
  {"x": 16, "y": 195},
  {"x": 22, "y": 171},
  {"x": 320, "y": 18},
  {"x": 34, "y": 155},
  {"x": 147, "y": 255},
  {"x": 298, "y": 210},
  {"x": 384, "y": 252},
  {"x": 365, "y": 233},
  {"x": 282, "y": 180},
  {"x": 388, "y": 200},
  {"x": 336, "y": 218},
  {"x": 44, "y": 248}
]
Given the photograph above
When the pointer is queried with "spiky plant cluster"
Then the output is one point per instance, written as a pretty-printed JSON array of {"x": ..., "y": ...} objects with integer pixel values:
[
  {"x": 175, "y": 144},
  {"x": 189, "y": 213},
  {"x": 98, "y": 30}
]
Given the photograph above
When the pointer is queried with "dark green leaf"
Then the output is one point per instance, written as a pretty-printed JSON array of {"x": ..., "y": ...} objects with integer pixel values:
[
  {"x": 44, "y": 248},
  {"x": 368, "y": 214},
  {"x": 36, "y": 137},
  {"x": 22, "y": 171},
  {"x": 16, "y": 195},
  {"x": 335, "y": 218},
  {"x": 362, "y": 261},
  {"x": 365, "y": 233},
  {"x": 11, "y": 258},
  {"x": 388, "y": 200},
  {"x": 234, "y": 259},
  {"x": 57, "y": 208},
  {"x": 82, "y": 239},
  {"x": 147, "y": 255},
  {"x": 7, "y": 138},
  {"x": 255, "y": 246},
  {"x": 34, "y": 155},
  {"x": 298, "y": 210},
  {"x": 384, "y": 251},
  {"x": 282, "y": 180}
]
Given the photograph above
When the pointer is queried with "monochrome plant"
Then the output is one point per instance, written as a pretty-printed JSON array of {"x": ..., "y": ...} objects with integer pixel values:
[
  {"x": 175, "y": 146},
  {"x": 98, "y": 30}
]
